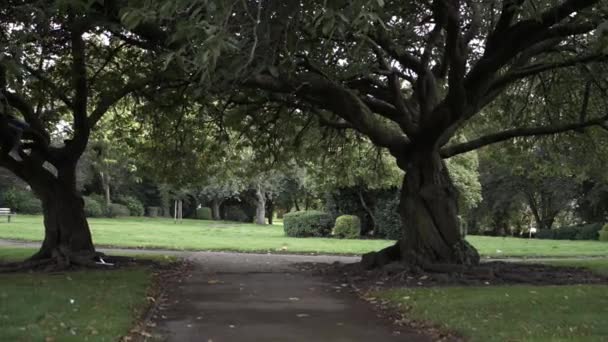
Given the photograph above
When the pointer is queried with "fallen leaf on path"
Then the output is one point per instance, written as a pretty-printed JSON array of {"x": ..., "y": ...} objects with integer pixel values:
[{"x": 302, "y": 315}]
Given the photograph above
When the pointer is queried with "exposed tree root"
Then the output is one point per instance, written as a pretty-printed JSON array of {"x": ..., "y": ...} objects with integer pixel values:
[{"x": 59, "y": 259}]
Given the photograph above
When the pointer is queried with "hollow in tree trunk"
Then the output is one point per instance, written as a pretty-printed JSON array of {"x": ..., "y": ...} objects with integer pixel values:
[{"x": 429, "y": 216}]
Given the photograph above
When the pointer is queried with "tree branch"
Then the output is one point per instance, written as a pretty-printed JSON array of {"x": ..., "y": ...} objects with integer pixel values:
[{"x": 451, "y": 151}]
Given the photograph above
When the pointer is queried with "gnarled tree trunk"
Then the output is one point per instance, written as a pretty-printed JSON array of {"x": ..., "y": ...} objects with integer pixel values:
[{"x": 429, "y": 214}]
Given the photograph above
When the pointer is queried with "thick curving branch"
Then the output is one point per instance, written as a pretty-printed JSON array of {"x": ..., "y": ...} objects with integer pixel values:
[{"x": 472, "y": 145}]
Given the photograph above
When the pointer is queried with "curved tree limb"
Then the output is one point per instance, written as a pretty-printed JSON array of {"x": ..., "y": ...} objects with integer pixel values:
[{"x": 457, "y": 149}]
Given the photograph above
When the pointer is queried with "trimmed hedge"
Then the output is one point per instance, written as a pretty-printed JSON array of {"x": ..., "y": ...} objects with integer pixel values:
[
  {"x": 117, "y": 210},
  {"x": 204, "y": 213},
  {"x": 22, "y": 201},
  {"x": 604, "y": 234},
  {"x": 580, "y": 232},
  {"x": 386, "y": 212},
  {"x": 347, "y": 227},
  {"x": 310, "y": 223},
  {"x": 92, "y": 207}
]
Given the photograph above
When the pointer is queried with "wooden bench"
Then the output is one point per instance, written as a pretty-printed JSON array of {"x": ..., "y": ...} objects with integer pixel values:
[{"x": 6, "y": 212}]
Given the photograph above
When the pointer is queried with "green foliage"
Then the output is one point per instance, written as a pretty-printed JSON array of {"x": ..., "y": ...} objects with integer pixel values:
[
  {"x": 348, "y": 227},
  {"x": 545, "y": 234},
  {"x": 154, "y": 211},
  {"x": 117, "y": 210},
  {"x": 92, "y": 207},
  {"x": 589, "y": 231},
  {"x": 566, "y": 233},
  {"x": 204, "y": 213},
  {"x": 310, "y": 223},
  {"x": 580, "y": 232},
  {"x": 604, "y": 234},
  {"x": 236, "y": 213},
  {"x": 22, "y": 201},
  {"x": 347, "y": 201},
  {"x": 386, "y": 212},
  {"x": 136, "y": 208}
]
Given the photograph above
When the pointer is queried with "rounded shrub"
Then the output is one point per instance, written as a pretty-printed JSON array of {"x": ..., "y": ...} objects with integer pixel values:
[
  {"x": 604, "y": 233},
  {"x": 204, "y": 213},
  {"x": 347, "y": 227},
  {"x": 117, "y": 210},
  {"x": 22, "y": 201},
  {"x": 92, "y": 207},
  {"x": 307, "y": 223},
  {"x": 136, "y": 208}
]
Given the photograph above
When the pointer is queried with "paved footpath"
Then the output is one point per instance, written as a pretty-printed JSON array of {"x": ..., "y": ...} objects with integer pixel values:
[{"x": 257, "y": 297}]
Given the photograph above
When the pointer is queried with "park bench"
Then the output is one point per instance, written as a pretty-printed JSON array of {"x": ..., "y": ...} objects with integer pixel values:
[{"x": 6, "y": 212}]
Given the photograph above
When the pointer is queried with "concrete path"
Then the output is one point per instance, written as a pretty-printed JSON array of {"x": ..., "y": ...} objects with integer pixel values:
[{"x": 257, "y": 297}]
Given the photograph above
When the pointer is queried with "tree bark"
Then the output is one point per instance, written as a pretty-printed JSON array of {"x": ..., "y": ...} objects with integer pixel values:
[
  {"x": 67, "y": 235},
  {"x": 215, "y": 209},
  {"x": 105, "y": 183},
  {"x": 429, "y": 216},
  {"x": 260, "y": 207},
  {"x": 270, "y": 211}
]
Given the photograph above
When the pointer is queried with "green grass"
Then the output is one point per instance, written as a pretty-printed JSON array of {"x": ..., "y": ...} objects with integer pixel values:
[
  {"x": 230, "y": 236},
  {"x": 76, "y": 306},
  {"x": 513, "y": 313},
  {"x": 194, "y": 235},
  {"x": 514, "y": 247}
]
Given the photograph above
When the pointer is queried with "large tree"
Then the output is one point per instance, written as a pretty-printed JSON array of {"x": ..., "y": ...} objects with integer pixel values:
[
  {"x": 409, "y": 75},
  {"x": 61, "y": 70}
]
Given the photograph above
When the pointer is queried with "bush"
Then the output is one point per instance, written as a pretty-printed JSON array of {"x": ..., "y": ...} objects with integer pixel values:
[
  {"x": 236, "y": 213},
  {"x": 545, "y": 234},
  {"x": 386, "y": 212},
  {"x": 22, "y": 201},
  {"x": 204, "y": 213},
  {"x": 92, "y": 208},
  {"x": 348, "y": 227},
  {"x": 589, "y": 231},
  {"x": 117, "y": 210},
  {"x": 307, "y": 223},
  {"x": 136, "y": 208},
  {"x": 154, "y": 211},
  {"x": 604, "y": 234},
  {"x": 566, "y": 233}
]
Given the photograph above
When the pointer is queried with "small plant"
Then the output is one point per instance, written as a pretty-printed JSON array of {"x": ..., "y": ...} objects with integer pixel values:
[
  {"x": 604, "y": 233},
  {"x": 136, "y": 208},
  {"x": 92, "y": 207},
  {"x": 347, "y": 227},
  {"x": 307, "y": 224},
  {"x": 117, "y": 210},
  {"x": 203, "y": 213}
]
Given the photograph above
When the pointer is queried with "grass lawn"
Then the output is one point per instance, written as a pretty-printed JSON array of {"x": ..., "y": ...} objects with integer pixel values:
[
  {"x": 513, "y": 313},
  {"x": 230, "y": 236},
  {"x": 76, "y": 306}
]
